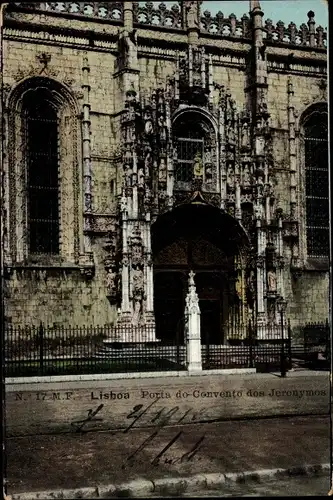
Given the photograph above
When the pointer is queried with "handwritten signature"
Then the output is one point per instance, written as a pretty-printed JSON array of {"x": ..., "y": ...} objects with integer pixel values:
[
  {"x": 79, "y": 424},
  {"x": 162, "y": 418}
]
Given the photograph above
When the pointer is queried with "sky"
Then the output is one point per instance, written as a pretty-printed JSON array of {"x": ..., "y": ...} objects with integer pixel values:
[{"x": 276, "y": 10}]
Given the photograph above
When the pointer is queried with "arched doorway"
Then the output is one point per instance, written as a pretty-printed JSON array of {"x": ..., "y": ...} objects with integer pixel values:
[{"x": 204, "y": 239}]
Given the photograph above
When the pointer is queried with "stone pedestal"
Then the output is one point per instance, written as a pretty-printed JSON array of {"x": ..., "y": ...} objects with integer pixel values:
[{"x": 192, "y": 328}]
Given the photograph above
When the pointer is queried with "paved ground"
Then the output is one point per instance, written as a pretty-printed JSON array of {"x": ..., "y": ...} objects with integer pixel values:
[
  {"x": 38, "y": 463},
  {"x": 291, "y": 487}
]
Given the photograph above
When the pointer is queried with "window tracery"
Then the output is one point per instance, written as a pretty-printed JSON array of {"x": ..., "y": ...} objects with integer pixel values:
[
  {"x": 41, "y": 124},
  {"x": 195, "y": 151},
  {"x": 315, "y": 128},
  {"x": 43, "y": 171}
]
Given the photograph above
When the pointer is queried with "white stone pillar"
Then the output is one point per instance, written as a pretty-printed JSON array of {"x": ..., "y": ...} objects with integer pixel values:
[
  {"x": 150, "y": 278},
  {"x": 125, "y": 304},
  {"x": 192, "y": 328},
  {"x": 260, "y": 276}
]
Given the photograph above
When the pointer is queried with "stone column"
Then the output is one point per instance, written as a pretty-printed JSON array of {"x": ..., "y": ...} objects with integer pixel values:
[
  {"x": 169, "y": 159},
  {"x": 86, "y": 133},
  {"x": 293, "y": 168},
  {"x": 190, "y": 66},
  {"x": 280, "y": 281},
  {"x": 210, "y": 80},
  {"x": 192, "y": 328},
  {"x": 203, "y": 68},
  {"x": 238, "y": 211},
  {"x": 150, "y": 318},
  {"x": 125, "y": 304},
  {"x": 260, "y": 275},
  {"x": 135, "y": 208},
  {"x": 222, "y": 152},
  {"x": 128, "y": 16}
]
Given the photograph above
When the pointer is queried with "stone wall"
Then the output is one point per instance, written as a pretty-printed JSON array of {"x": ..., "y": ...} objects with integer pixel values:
[{"x": 64, "y": 294}]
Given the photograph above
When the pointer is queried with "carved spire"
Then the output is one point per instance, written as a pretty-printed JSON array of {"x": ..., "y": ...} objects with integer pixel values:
[{"x": 254, "y": 5}]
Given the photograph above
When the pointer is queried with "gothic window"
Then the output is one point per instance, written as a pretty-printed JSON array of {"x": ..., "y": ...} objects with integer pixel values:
[
  {"x": 316, "y": 183},
  {"x": 193, "y": 140},
  {"x": 42, "y": 174},
  {"x": 190, "y": 147}
]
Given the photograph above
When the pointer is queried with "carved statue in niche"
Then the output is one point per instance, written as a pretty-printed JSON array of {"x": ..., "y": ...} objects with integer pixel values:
[
  {"x": 258, "y": 211},
  {"x": 162, "y": 171},
  {"x": 209, "y": 172},
  {"x": 231, "y": 133},
  {"x": 271, "y": 281},
  {"x": 198, "y": 167},
  {"x": 123, "y": 52},
  {"x": 111, "y": 282},
  {"x": 147, "y": 117},
  {"x": 137, "y": 295},
  {"x": 147, "y": 161},
  {"x": 245, "y": 143},
  {"x": 141, "y": 175},
  {"x": 136, "y": 254},
  {"x": 246, "y": 175},
  {"x": 260, "y": 145},
  {"x": 271, "y": 311},
  {"x": 123, "y": 204},
  {"x": 208, "y": 165},
  {"x": 230, "y": 175},
  {"x": 162, "y": 127}
]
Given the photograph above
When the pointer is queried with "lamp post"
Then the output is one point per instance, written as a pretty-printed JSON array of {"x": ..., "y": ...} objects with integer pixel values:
[{"x": 282, "y": 304}]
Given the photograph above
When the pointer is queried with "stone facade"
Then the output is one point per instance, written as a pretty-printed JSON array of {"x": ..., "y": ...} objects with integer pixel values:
[{"x": 126, "y": 80}]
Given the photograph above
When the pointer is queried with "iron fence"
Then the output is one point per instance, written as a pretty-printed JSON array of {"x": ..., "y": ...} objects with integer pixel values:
[
  {"x": 46, "y": 350},
  {"x": 317, "y": 347},
  {"x": 264, "y": 347}
]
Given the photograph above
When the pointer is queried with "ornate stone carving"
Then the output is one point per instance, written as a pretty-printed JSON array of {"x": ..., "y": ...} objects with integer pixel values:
[
  {"x": 271, "y": 282},
  {"x": 192, "y": 299},
  {"x": 87, "y": 272},
  {"x": 230, "y": 176},
  {"x": 260, "y": 261},
  {"x": 191, "y": 13},
  {"x": 44, "y": 58},
  {"x": 112, "y": 284},
  {"x": 246, "y": 176},
  {"x": 246, "y": 138}
]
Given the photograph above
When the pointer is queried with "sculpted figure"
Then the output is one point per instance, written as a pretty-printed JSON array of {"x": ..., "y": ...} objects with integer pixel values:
[
  {"x": 246, "y": 176},
  {"x": 191, "y": 9},
  {"x": 123, "y": 204},
  {"x": 136, "y": 313},
  {"x": 271, "y": 281},
  {"x": 198, "y": 167},
  {"x": 230, "y": 176},
  {"x": 245, "y": 135}
]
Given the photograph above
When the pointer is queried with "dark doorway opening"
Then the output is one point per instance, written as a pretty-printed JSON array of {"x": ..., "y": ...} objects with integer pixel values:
[{"x": 200, "y": 238}]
